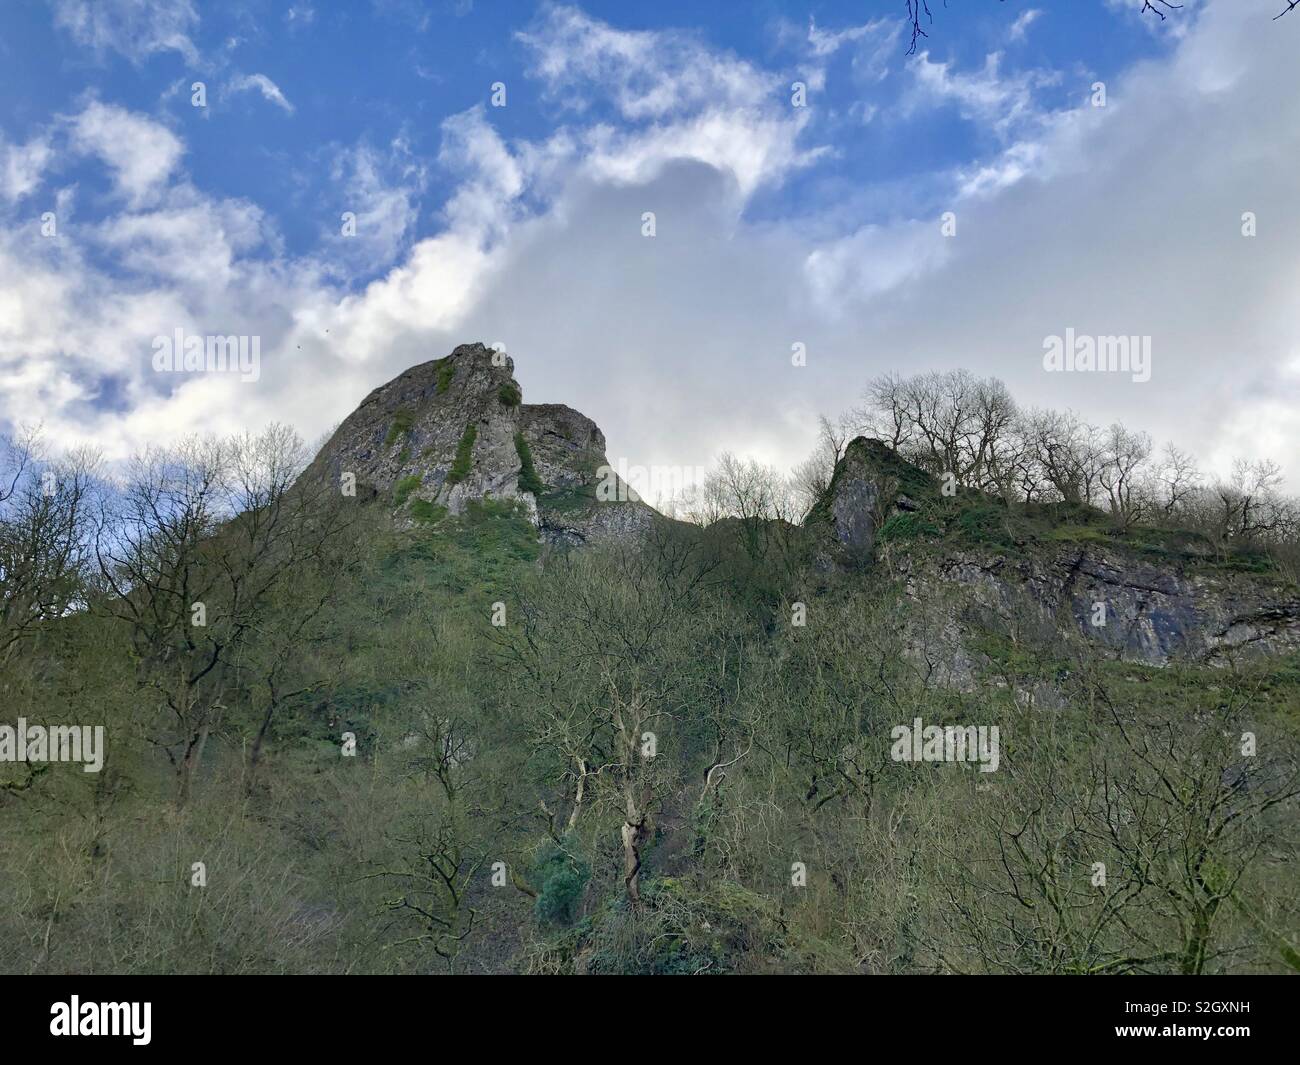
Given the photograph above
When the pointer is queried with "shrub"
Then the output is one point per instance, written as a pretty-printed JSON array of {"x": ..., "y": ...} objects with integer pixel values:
[
  {"x": 509, "y": 394},
  {"x": 528, "y": 479},
  {"x": 984, "y": 525},
  {"x": 562, "y": 877}
]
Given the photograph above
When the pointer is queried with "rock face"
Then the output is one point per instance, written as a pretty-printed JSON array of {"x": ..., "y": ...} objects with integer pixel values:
[
  {"x": 455, "y": 430},
  {"x": 1141, "y": 612},
  {"x": 1180, "y": 607},
  {"x": 869, "y": 485}
]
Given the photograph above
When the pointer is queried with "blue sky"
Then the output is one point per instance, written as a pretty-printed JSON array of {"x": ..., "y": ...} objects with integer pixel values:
[
  {"x": 521, "y": 224},
  {"x": 363, "y": 73}
]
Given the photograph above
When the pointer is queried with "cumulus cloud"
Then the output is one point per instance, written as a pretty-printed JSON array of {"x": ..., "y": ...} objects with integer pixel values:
[
  {"x": 1116, "y": 220},
  {"x": 141, "y": 153}
]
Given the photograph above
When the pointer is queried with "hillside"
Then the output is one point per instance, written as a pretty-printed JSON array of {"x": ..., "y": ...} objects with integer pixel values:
[{"x": 473, "y": 718}]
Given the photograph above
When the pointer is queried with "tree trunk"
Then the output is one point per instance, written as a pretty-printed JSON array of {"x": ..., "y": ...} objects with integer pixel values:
[{"x": 634, "y": 835}]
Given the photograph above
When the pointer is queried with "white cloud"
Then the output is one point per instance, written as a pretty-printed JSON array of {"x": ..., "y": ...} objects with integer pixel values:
[
  {"x": 141, "y": 153},
  {"x": 261, "y": 83},
  {"x": 1024, "y": 20},
  {"x": 646, "y": 74},
  {"x": 1117, "y": 220},
  {"x": 754, "y": 149},
  {"x": 21, "y": 167},
  {"x": 1003, "y": 103},
  {"x": 873, "y": 45},
  {"x": 381, "y": 190},
  {"x": 135, "y": 28}
]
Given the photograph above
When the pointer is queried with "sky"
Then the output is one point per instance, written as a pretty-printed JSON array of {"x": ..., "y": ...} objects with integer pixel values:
[{"x": 169, "y": 165}]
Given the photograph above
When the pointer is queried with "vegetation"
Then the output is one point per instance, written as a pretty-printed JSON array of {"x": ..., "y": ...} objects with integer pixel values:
[
  {"x": 528, "y": 479},
  {"x": 980, "y": 469},
  {"x": 403, "y": 419},
  {"x": 438, "y": 746},
  {"x": 460, "y": 465},
  {"x": 404, "y": 487},
  {"x": 446, "y": 370},
  {"x": 509, "y": 394}
]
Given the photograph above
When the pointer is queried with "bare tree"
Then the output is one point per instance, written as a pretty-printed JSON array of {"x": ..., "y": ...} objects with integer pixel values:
[
  {"x": 949, "y": 422},
  {"x": 1179, "y": 478},
  {"x": 1120, "y": 848},
  {"x": 1120, "y": 475},
  {"x": 45, "y": 511},
  {"x": 920, "y": 15},
  {"x": 192, "y": 550}
]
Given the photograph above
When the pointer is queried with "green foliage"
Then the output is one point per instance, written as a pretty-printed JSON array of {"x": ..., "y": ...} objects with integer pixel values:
[
  {"x": 509, "y": 394},
  {"x": 572, "y": 499},
  {"x": 403, "y": 488},
  {"x": 773, "y": 746},
  {"x": 562, "y": 876},
  {"x": 984, "y": 524},
  {"x": 427, "y": 512},
  {"x": 496, "y": 528},
  {"x": 403, "y": 419},
  {"x": 689, "y": 926},
  {"x": 460, "y": 465},
  {"x": 445, "y": 371},
  {"x": 906, "y": 526},
  {"x": 528, "y": 479}
]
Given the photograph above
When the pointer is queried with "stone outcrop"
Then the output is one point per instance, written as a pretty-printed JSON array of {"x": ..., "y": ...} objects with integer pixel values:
[
  {"x": 1142, "y": 612},
  {"x": 454, "y": 430},
  {"x": 1178, "y": 607},
  {"x": 869, "y": 485}
]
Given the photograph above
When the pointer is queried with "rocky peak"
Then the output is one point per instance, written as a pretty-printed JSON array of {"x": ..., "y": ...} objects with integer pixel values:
[
  {"x": 870, "y": 483},
  {"x": 455, "y": 430}
]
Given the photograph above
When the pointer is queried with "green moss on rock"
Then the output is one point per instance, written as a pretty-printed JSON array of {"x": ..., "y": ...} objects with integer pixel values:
[
  {"x": 529, "y": 481},
  {"x": 464, "y": 453}
]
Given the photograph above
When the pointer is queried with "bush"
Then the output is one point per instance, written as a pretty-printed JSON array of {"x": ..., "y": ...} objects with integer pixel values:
[
  {"x": 562, "y": 877},
  {"x": 984, "y": 524},
  {"x": 427, "y": 513},
  {"x": 509, "y": 394}
]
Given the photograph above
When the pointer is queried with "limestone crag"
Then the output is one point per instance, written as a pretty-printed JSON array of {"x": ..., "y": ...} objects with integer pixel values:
[{"x": 455, "y": 430}]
